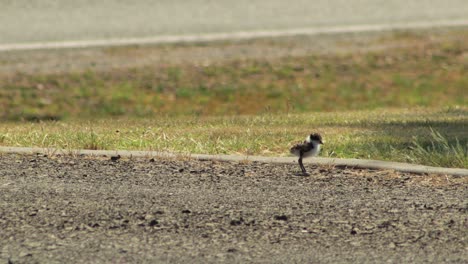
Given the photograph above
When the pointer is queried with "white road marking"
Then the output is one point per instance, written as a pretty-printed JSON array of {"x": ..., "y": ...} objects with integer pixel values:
[{"x": 240, "y": 35}]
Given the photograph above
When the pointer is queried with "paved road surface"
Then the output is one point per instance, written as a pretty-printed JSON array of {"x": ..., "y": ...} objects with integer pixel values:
[
  {"x": 26, "y": 21},
  {"x": 81, "y": 210}
]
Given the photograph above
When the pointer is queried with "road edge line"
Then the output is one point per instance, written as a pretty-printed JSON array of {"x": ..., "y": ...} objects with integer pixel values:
[{"x": 235, "y": 35}]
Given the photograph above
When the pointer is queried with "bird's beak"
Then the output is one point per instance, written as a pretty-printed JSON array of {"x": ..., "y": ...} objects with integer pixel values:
[{"x": 321, "y": 142}]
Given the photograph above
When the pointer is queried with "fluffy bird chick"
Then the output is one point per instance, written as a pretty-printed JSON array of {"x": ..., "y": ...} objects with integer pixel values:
[{"x": 309, "y": 148}]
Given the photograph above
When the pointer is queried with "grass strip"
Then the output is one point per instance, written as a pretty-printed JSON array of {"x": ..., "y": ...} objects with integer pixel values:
[{"x": 429, "y": 136}]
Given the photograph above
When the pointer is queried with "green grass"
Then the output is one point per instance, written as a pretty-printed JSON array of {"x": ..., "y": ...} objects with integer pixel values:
[
  {"x": 440, "y": 151},
  {"x": 427, "y": 136}
]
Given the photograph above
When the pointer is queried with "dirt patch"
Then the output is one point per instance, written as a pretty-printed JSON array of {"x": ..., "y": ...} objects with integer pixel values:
[{"x": 65, "y": 209}]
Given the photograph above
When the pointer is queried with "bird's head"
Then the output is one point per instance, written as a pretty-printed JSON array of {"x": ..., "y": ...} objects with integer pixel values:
[{"x": 315, "y": 137}]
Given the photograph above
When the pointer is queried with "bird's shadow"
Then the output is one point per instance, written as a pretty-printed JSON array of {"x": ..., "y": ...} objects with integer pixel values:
[{"x": 301, "y": 174}]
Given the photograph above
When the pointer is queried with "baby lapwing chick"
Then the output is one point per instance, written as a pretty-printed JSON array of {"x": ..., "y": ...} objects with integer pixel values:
[{"x": 309, "y": 148}]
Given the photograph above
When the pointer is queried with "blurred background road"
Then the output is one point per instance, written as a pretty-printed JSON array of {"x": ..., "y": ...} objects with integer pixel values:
[{"x": 26, "y": 21}]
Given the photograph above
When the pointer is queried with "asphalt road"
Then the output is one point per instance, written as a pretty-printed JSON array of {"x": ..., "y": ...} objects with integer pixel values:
[
  {"x": 25, "y": 21},
  {"x": 81, "y": 210}
]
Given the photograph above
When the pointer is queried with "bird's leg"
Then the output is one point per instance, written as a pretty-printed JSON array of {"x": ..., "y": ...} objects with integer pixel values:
[{"x": 302, "y": 166}]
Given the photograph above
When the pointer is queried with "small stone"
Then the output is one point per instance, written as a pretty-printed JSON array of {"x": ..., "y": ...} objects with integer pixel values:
[
  {"x": 148, "y": 217},
  {"x": 115, "y": 158},
  {"x": 51, "y": 247},
  {"x": 355, "y": 243},
  {"x": 153, "y": 222},
  {"x": 33, "y": 244},
  {"x": 93, "y": 225},
  {"x": 236, "y": 222},
  {"x": 23, "y": 254},
  {"x": 281, "y": 217}
]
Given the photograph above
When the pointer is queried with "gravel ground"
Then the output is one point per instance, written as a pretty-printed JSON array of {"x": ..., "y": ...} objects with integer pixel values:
[{"x": 95, "y": 210}]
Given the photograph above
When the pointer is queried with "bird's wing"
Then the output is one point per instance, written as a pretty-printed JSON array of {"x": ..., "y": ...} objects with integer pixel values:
[{"x": 299, "y": 147}]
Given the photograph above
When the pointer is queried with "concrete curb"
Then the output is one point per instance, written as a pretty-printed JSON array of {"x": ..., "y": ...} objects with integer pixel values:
[{"x": 349, "y": 163}]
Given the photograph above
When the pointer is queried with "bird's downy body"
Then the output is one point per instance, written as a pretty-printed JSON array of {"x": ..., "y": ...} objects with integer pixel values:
[{"x": 309, "y": 148}]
